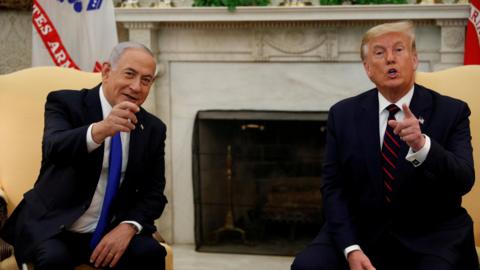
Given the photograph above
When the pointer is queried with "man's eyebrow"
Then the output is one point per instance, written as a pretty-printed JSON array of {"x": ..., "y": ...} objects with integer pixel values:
[
  {"x": 377, "y": 46},
  {"x": 130, "y": 69},
  {"x": 136, "y": 72}
]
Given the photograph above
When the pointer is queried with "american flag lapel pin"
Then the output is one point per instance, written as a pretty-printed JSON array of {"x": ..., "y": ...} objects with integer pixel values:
[{"x": 421, "y": 120}]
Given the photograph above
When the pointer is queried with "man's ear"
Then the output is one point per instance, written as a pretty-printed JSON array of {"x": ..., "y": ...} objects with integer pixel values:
[
  {"x": 106, "y": 68},
  {"x": 415, "y": 60},
  {"x": 366, "y": 66}
]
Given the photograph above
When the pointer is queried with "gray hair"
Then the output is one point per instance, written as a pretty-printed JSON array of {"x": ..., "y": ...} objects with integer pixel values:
[
  {"x": 405, "y": 27},
  {"x": 121, "y": 47}
]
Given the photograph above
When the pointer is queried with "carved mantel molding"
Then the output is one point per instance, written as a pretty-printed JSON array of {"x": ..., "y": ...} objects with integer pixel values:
[
  {"x": 268, "y": 24},
  {"x": 315, "y": 13},
  {"x": 274, "y": 31}
]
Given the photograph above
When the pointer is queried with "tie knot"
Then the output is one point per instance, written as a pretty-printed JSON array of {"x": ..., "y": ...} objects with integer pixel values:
[{"x": 392, "y": 109}]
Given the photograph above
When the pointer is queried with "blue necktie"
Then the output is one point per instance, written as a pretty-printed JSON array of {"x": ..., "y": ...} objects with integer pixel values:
[{"x": 114, "y": 173}]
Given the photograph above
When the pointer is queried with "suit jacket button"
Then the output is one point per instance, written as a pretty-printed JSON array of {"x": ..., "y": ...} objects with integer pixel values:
[{"x": 61, "y": 227}]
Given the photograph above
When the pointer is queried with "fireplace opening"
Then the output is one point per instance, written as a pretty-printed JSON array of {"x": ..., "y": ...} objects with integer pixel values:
[{"x": 256, "y": 179}]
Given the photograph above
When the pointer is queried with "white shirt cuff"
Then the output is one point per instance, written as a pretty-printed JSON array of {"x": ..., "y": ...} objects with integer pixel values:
[
  {"x": 91, "y": 144},
  {"x": 349, "y": 249},
  {"x": 417, "y": 158},
  {"x": 134, "y": 223}
]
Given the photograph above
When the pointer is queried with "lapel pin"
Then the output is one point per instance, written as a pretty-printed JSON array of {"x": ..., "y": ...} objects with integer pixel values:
[
  {"x": 421, "y": 120},
  {"x": 141, "y": 126}
]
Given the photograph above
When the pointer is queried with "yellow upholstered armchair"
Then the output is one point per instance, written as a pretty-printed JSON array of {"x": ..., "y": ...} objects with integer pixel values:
[
  {"x": 22, "y": 99},
  {"x": 463, "y": 83}
]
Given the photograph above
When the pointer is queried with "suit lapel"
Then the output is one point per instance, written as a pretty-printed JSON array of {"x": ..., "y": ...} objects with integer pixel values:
[
  {"x": 421, "y": 104},
  {"x": 421, "y": 107},
  {"x": 93, "y": 106},
  {"x": 136, "y": 146},
  {"x": 93, "y": 113},
  {"x": 367, "y": 121}
]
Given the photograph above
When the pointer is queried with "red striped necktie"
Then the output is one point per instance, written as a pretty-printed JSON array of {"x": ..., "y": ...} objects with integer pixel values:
[{"x": 390, "y": 151}]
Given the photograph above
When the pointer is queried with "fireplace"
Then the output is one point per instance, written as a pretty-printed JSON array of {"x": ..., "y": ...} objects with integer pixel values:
[{"x": 256, "y": 179}]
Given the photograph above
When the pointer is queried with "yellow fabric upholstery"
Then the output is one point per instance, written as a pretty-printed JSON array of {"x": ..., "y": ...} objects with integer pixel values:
[
  {"x": 22, "y": 99},
  {"x": 463, "y": 83}
]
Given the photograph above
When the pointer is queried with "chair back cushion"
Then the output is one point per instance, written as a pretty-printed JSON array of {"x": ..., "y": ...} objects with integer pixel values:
[
  {"x": 22, "y": 99},
  {"x": 463, "y": 83}
]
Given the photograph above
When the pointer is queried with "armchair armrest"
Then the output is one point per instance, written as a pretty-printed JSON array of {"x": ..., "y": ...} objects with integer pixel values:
[
  {"x": 3, "y": 208},
  {"x": 169, "y": 256},
  {"x": 6, "y": 250}
]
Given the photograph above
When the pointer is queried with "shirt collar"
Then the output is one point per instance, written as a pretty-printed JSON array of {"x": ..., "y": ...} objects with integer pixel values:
[
  {"x": 106, "y": 107},
  {"x": 383, "y": 102}
]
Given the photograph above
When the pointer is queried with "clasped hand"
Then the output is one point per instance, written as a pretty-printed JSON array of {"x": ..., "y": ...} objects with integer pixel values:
[
  {"x": 112, "y": 246},
  {"x": 357, "y": 260}
]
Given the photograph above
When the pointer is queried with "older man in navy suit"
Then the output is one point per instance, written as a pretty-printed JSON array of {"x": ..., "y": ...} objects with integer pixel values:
[
  {"x": 101, "y": 181},
  {"x": 398, "y": 161}
]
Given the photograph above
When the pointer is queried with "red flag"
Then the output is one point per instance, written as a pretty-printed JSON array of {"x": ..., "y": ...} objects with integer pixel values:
[{"x": 472, "y": 37}]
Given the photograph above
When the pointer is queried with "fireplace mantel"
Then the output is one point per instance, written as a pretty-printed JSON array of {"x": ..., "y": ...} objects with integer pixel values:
[
  {"x": 265, "y": 58},
  {"x": 151, "y": 25},
  {"x": 310, "y": 13}
]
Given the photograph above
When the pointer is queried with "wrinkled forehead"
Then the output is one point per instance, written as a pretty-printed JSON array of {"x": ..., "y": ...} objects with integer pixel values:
[
  {"x": 137, "y": 60},
  {"x": 391, "y": 39}
]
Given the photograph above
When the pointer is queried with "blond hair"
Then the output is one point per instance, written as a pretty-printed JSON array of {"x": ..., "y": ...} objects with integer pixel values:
[{"x": 405, "y": 27}]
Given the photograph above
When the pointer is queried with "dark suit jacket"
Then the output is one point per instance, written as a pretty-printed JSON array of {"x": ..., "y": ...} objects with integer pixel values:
[
  {"x": 426, "y": 213},
  {"x": 69, "y": 174}
]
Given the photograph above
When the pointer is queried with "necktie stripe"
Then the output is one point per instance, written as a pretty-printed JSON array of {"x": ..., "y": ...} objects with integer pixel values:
[
  {"x": 390, "y": 149},
  {"x": 388, "y": 161},
  {"x": 391, "y": 138},
  {"x": 388, "y": 186},
  {"x": 388, "y": 174}
]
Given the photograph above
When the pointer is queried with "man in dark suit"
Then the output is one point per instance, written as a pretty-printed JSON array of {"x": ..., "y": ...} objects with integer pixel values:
[
  {"x": 394, "y": 175},
  {"x": 54, "y": 224}
]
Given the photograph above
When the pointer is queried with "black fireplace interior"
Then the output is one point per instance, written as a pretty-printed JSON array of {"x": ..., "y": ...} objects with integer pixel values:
[{"x": 256, "y": 179}]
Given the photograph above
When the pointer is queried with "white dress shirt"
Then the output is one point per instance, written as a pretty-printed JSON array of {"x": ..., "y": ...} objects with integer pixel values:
[{"x": 88, "y": 221}]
